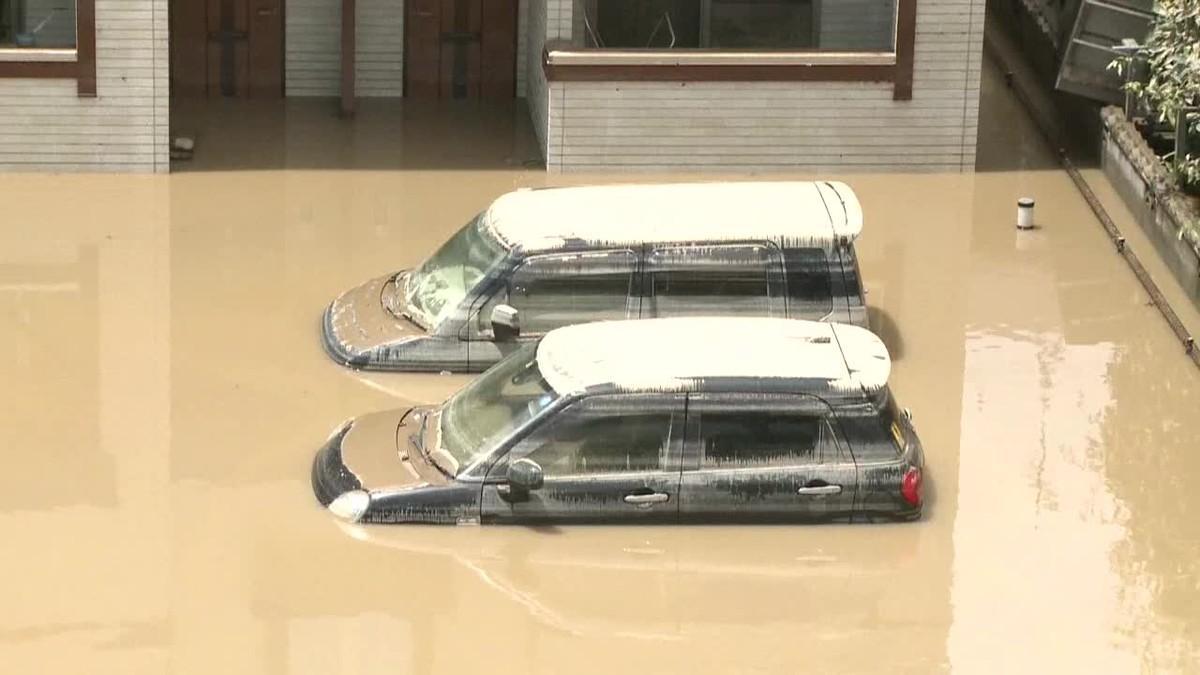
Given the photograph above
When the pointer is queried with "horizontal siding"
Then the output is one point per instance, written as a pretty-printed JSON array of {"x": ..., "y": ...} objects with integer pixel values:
[
  {"x": 782, "y": 125},
  {"x": 559, "y": 24},
  {"x": 379, "y": 56},
  {"x": 536, "y": 88},
  {"x": 312, "y": 58},
  {"x": 314, "y": 48},
  {"x": 522, "y": 45},
  {"x": 45, "y": 126}
]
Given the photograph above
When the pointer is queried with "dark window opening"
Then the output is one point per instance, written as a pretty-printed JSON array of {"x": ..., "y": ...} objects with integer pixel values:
[
  {"x": 748, "y": 439},
  {"x": 810, "y": 293},
  {"x": 759, "y": 25},
  {"x": 721, "y": 280},
  {"x": 37, "y": 24},
  {"x": 583, "y": 443}
]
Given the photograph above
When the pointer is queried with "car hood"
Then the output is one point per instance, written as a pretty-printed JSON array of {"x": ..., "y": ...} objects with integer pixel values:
[
  {"x": 358, "y": 324},
  {"x": 377, "y": 450}
]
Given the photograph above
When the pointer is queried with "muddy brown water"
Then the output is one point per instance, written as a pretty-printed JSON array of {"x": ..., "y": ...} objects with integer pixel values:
[{"x": 164, "y": 392}]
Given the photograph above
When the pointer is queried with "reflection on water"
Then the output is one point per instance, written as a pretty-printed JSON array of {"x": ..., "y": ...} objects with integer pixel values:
[{"x": 167, "y": 389}]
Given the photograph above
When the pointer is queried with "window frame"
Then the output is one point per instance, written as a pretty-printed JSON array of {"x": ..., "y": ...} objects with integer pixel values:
[
  {"x": 631, "y": 294},
  {"x": 672, "y": 405},
  {"x": 792, "y": 264},
  {"x": 564, "y": 63},
  {"x": 721, "y": 403},
  {"x": 78, "y": 64},
  {"x": 775, "y": 277}
]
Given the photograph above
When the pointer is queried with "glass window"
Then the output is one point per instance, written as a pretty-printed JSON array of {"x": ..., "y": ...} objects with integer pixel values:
[
  {"x": 37, "y": 24},
  {"x": 876, "y": 432},
  {"x": 581, "y": 441},
  {"x": 763, "y": 438},
  {"x": 759, "y": 25},
  {"x": 810, "y": 293},
  {"x": 558, "y": 290},
  {"x": 849, "y": 265},
  {"x": 724, "y": 280},
  {"x": 433, "y": 291},
  {"x": 493, "y": 406}
]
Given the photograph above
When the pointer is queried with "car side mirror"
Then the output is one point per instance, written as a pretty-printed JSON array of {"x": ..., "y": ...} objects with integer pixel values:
[
  {"x": 526, "y": 474},
  {"x": 506, "y": 322}
]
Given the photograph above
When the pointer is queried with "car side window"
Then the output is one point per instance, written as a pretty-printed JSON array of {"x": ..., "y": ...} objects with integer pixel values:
[
  {"x": 875, "y": 435},
  {"x": 731, "y": 280},
  {"x": 557, "y": 290},
  {"x": 809, "y": 287},
  {"x": 764, "y": 438},
  {"x": 853, "y": 281},
  {"x": 585, "y": 441}
]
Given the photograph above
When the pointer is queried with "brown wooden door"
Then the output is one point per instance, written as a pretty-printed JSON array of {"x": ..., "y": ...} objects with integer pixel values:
[
  {"x": 227, "y": 48},
  {"x": 460, "y": 48}
]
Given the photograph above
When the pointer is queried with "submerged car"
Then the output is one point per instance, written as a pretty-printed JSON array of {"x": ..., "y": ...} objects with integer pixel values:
[
  {"x": 542, "y": 259},
  {"x": 662, "y": 420}
]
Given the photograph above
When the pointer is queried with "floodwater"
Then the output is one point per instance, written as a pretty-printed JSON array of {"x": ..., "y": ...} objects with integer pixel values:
[{"x": 164, "y": 392}]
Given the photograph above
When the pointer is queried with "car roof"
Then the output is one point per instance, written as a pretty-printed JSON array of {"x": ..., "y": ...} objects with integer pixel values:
[
  {"x": 697, "y": 354},
  {"x": 791, "y": 212}
]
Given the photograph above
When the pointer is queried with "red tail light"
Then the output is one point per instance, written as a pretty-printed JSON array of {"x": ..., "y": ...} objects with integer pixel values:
[{"x": 910, "y": 486}]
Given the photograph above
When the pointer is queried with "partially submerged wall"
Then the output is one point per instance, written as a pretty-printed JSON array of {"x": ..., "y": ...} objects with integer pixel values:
[
  {"x": 779, "y": 125},
  {"x": 46, "y": 126},
  {"x": 1169, "y": 218}
]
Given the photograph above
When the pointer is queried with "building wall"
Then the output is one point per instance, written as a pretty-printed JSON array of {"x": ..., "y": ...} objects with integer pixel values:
[
  {"x": 536, "y": 89},
  {"x": 314, "y": 41},
  {"x": 778, "y": 125},
  {"x": 45, "y": 126},
  {"x": 522, "y": 45}
]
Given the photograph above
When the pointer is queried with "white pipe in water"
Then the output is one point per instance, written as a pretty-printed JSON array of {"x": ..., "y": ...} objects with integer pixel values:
[{"x": 1025, "y": 213}]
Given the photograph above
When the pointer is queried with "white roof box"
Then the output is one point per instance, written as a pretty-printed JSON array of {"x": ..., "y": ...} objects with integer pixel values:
[
  {"x": 685, "y": 354},
  {"x": 789, "y": 212}
]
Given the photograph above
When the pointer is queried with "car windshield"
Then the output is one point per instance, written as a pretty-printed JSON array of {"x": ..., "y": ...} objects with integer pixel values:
[
  {"x": 435, "y": 289},
  {"x": 487, "y": 410}
]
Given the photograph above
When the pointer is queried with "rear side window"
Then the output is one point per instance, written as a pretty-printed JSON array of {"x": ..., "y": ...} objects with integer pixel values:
[
  {"x": 733, "y": 280},
  {"x": 849, "y": 259},
  {"x": 876, "y": 431},
  {"x": 809, "y": 287},
  {"x": 757, "y": 439}
]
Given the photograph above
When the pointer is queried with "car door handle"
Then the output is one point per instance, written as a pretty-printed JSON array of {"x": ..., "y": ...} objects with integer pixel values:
[
  {"x": 820, "y": 490},
  {"x": 647, "y": 499}
]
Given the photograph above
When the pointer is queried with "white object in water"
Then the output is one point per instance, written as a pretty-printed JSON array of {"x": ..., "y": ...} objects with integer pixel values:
[{"x": 1025, "y": 213}]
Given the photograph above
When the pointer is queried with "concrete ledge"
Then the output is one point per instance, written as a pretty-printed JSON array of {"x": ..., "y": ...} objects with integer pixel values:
[{"x": 1169, "y": 217}]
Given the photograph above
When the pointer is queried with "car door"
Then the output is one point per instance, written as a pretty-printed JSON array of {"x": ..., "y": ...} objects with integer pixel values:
[
  {"x": 738, "y": 279},
  {"x": 604, "y": 459},
  {"x": 764, "y": 457},
  {"x": 554, "y": 290}
]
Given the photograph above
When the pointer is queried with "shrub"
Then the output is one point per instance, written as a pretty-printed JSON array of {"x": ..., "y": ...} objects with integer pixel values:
[{"x": 1172, "y": 79}]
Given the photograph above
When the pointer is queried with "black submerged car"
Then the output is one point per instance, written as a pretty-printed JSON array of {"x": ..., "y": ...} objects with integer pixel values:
[
  {"x": 536, "y": 260},
  {"x": 664, "y": 420}
]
